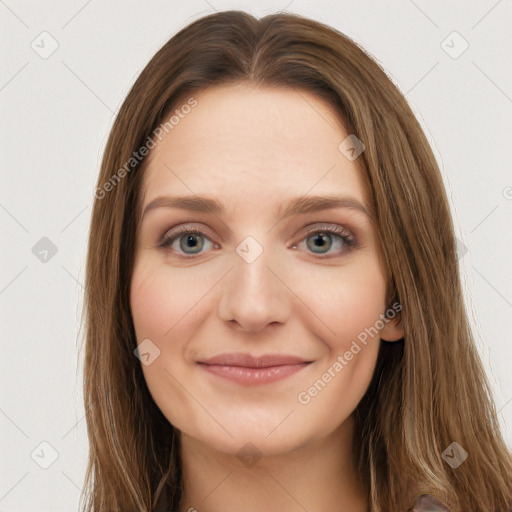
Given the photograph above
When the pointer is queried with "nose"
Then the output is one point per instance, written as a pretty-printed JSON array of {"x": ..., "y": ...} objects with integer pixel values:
[{"x": 255, "y": 294}]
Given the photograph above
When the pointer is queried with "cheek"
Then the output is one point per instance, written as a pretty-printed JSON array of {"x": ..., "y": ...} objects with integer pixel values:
[
  {"x": 332, "y": 308},
  {"x": 351, "y": 305},
  {"x": 348, "y": 302},
  {"x": 164, "y": 302},
  {"x": 166, "y": 309}
]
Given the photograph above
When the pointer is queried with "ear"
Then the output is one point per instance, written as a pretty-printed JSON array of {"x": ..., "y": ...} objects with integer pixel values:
[{"x": 391, "y": 331}]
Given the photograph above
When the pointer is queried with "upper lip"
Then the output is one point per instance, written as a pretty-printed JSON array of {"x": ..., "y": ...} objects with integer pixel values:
[{"x": 249, "y": 361}]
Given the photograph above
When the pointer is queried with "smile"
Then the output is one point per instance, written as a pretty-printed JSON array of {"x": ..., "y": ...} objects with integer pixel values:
[{"x": 248, "y": 370}]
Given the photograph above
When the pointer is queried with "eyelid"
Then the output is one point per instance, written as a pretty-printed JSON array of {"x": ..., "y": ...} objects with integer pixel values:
[
  {"x": 350, "y": 241},
  {"x": 311, "y": 228},
  {"x": 333, "y": 228},
  {"x": 345, "y": 234},
  {"x": 176, "y": 231}
]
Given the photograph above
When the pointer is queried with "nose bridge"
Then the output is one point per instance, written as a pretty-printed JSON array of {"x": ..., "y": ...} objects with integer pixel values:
[
  {"x": 253, "y": 296},
  {"x": 252, "y": 267}
]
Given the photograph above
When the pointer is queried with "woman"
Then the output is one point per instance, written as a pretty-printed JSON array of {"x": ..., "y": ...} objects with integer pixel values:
[{"x": 231, "y": 363}]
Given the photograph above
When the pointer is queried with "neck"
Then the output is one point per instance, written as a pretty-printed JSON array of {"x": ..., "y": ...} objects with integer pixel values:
[{"x": 318, "y": 476}]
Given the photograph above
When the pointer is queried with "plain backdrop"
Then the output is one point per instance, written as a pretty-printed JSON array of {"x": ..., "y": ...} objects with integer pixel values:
[{"x": 66, "y": 68}]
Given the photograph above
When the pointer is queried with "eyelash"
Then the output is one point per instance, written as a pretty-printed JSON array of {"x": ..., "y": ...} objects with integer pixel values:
[{"x": 344, "y": 234}]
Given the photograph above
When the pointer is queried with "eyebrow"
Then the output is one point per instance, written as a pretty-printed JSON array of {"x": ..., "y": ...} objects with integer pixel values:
[{"x": 294, "y": 206}]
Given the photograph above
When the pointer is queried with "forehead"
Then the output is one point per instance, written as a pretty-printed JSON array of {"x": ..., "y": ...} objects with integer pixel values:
[{"x": 247, "y": 143}]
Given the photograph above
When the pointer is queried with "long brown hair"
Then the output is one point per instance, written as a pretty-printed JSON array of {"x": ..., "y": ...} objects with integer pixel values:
[{"x": 427, "y": 392}]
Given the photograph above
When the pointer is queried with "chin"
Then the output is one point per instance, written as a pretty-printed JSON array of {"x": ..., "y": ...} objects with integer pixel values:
[{"x": 252, "y": 443}]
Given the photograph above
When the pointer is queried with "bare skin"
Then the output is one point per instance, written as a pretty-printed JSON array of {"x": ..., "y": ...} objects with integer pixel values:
[{"x": 270, "y": 445}]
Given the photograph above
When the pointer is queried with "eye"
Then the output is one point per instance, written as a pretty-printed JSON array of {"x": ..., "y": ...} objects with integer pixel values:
[
  {"x": 190, "y": 241},
  {"x": 187, "y": 240},
  {"x": 320, "y": 239}
]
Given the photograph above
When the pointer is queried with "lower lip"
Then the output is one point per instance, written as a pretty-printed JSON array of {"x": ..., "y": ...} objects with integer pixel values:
[{"x": 254, "y": 376}]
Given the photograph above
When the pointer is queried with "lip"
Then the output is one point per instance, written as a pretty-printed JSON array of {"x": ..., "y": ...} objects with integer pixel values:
[{"x": 249, "y": 370}]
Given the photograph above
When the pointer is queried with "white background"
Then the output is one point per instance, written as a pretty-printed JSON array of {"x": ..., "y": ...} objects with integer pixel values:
[{"x": 56, "y": 114}]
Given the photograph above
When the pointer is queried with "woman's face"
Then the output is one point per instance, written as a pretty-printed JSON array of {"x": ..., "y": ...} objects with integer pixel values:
[{"x": 258, "y": 322}]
